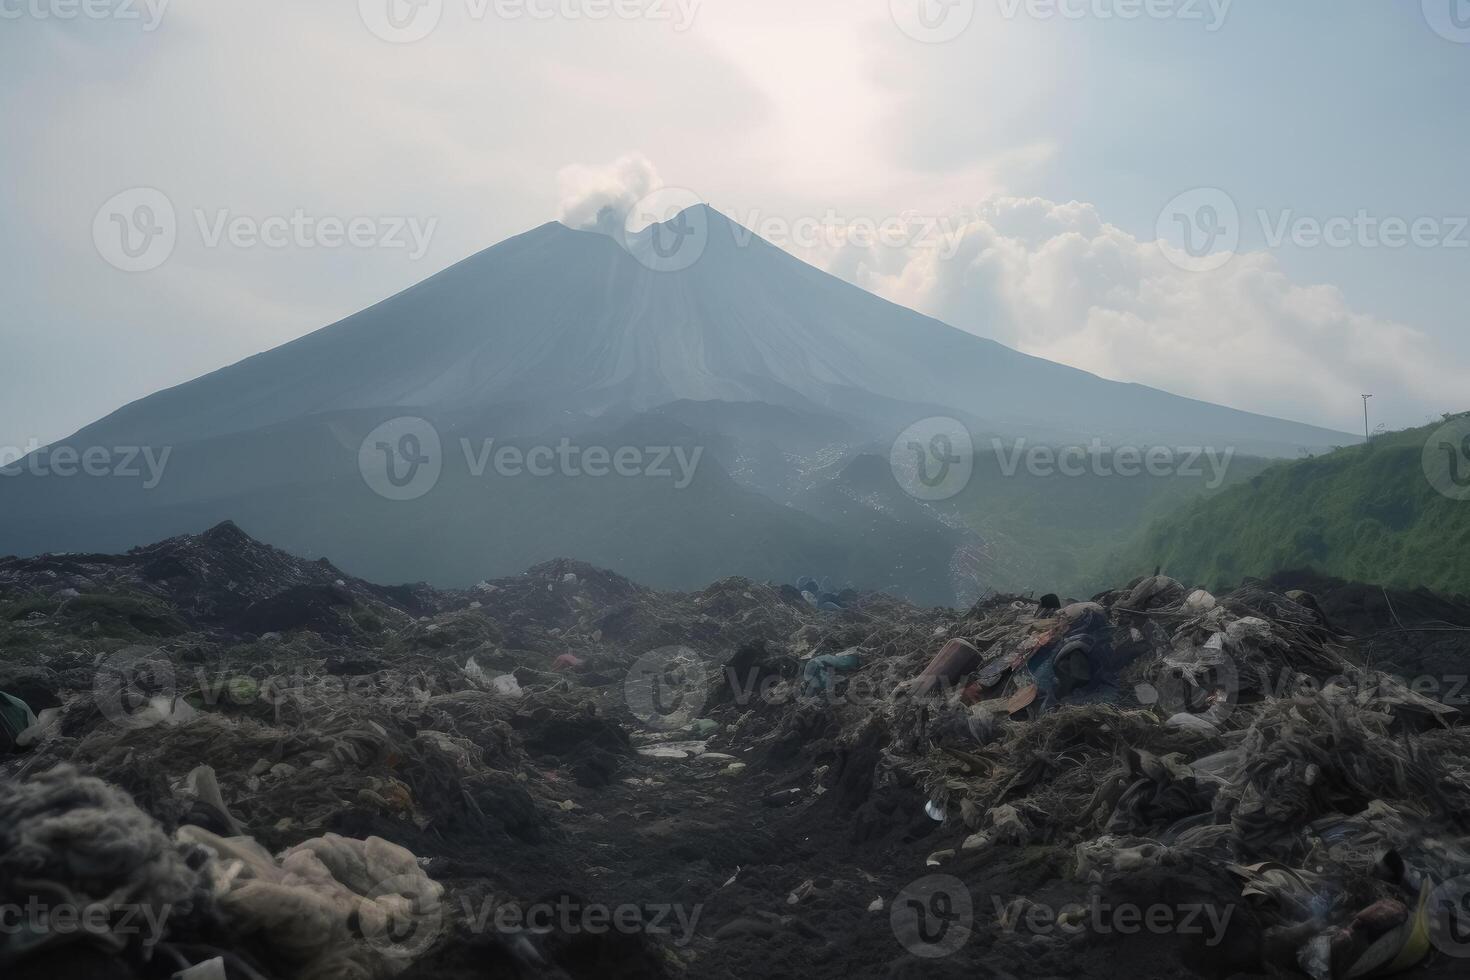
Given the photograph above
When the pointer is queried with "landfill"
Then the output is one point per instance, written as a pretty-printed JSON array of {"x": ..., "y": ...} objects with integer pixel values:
[{"x": 222, "y": 762}]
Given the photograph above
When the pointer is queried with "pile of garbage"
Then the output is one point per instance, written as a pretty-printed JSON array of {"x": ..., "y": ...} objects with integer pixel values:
[
  {"x": 1157, "y": 732},
  {"x": 822, "y": 594},
  {"x": 238, "y": 765}
]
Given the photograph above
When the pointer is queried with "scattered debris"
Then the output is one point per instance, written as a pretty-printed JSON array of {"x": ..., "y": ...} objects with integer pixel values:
[{"x": 397, "y": 756}]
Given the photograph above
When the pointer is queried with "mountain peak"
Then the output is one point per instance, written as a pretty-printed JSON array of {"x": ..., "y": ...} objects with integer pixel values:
[
  {"x": 693, "y": 308},
  {"x": 612, "y": 223}
]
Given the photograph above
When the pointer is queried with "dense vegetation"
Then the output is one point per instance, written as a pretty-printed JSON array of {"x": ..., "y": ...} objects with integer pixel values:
[
  {"x": 1366, "y": 513},
  {"x": 1045, "y": 532}
]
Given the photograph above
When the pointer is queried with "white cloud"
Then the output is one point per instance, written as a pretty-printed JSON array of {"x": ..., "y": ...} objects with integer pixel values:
[
  {"x": 599, "y": 198},
  {"x": 784, "y": 111},
  {"x": 1057, "y": 281}
]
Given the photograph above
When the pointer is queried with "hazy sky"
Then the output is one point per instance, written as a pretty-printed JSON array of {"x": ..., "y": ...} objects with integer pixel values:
[{"x": 1035, "y": 151}]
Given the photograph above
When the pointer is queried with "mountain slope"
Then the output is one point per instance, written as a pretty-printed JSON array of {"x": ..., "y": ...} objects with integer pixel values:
[
  {"x": 773, "y": 367},
  {"x": 570, "y": 321},
  {"x": 1365, "y": 513},
  {"x": 470, "y": 526}
]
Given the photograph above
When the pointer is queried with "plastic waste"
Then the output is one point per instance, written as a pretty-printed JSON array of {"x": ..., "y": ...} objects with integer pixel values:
[
  {"x": 954, "y": 660},
  {"x": 208, "y": 970},
  {"x": 48, "y": 723},
  {"x": 15, "y": 718},
  {"x": 1200, "y": 602},
  {"x": 819, "y": 674},
  {"x": 475, "y": 672},
  {"x": 508, "y": 685}
]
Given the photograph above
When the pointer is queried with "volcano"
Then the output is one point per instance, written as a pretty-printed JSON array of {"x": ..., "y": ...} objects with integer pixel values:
[{"x": 694, "y": 338}]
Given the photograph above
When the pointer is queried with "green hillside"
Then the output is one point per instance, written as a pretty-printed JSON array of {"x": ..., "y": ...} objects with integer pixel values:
[
  {"x": 1366, "y": 513},
  {"x": 1048, "y": 532}
]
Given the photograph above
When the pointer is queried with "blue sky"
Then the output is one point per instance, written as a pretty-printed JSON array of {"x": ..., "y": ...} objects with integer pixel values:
[
  {"x": 1322, "y": 108},
  {"x": 1049, "y": 146}
]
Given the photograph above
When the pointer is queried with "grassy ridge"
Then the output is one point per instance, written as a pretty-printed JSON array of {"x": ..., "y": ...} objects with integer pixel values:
[
  {"x": 1048, "y": 533},
  {"x": 1365, "y": 513}
]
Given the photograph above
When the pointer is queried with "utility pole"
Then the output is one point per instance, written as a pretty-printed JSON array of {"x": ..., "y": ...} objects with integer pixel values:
[{"x": 1367, "y": 436}]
